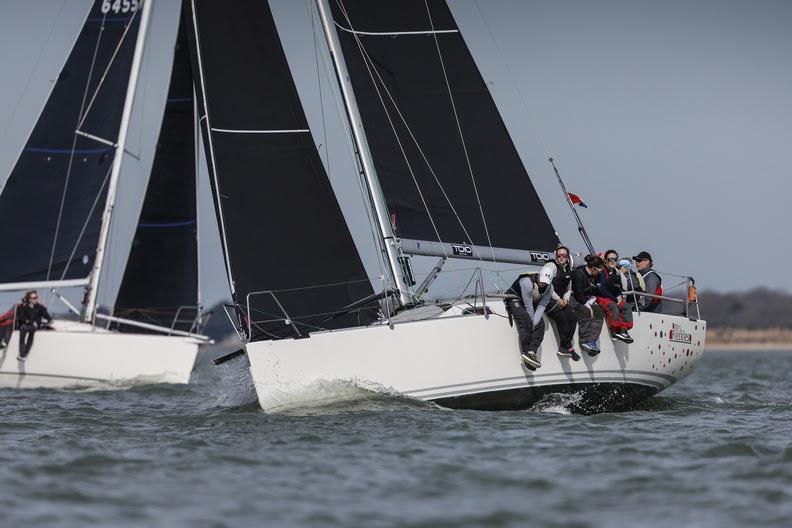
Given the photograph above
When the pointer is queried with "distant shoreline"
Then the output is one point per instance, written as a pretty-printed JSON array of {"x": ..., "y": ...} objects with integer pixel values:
[{"x": 748, "y": 347}]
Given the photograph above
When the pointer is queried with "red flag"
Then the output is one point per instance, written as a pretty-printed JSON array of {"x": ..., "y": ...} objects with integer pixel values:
[{"x": 577, "y": 200}]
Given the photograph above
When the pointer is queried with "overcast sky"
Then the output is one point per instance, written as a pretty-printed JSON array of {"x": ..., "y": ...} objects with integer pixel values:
[{"x": 672, "y": 119}]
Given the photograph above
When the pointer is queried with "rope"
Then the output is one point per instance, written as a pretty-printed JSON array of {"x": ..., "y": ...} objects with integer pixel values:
[
  {"x": 459, "y": 129},
  {"x": 85, "y": 224},
  {"x": 74, "y": 146},
  {"x": 366, "y": 60},
  {"x": 110, "y": 63}
]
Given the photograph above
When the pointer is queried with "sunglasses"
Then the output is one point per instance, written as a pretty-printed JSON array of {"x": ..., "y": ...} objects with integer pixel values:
[
  {"x": 562, "y": 255},
  {"x": 612, "y": 259}
]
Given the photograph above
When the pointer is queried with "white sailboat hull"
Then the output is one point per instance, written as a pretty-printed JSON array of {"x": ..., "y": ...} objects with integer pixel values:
[
  {"x": 76, "y": 355},
  {"x": 469, "y": 361}
]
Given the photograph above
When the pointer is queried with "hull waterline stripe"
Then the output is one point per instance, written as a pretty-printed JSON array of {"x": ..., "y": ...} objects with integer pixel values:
[
  {"x": 546, "y": 383},
  {"x": 569, "y": 376}
]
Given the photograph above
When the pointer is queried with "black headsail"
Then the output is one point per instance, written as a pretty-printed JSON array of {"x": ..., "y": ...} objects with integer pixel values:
[
  {"x": 161, "y": 276},
  {"x": 448, "y": 168},
  {"x": 52, "y": 202},
  {"x": 283, "y": 228}
]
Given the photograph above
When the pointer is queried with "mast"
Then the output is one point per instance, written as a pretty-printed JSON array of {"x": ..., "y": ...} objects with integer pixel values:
[
  {"x": 90, "y": 302},
  {"x": 392, "y": 247},
  {"x": 197, "y": 140}
]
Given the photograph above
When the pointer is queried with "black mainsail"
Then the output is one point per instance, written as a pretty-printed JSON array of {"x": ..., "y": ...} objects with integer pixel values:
[
  {"x": 447, "y": 165},
  {"x": 52, "y": 203},
  {"x": 161, "y": 277},
  {"x": 288, "y": 249}
]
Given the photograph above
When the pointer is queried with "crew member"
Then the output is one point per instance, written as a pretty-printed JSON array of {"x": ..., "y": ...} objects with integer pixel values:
[
  {"x": 530, "y": 324},
  {"x": 617, "y": 312},
  {"x": 30, "y": 316},
  {"x": 653, "y": 282},
  {"x": 585, "y": 285},
  {"x": 558, "y": 273}
]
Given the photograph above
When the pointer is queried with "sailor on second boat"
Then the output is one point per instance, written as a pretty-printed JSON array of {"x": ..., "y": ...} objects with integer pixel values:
[{"x": 29, "y": 316}]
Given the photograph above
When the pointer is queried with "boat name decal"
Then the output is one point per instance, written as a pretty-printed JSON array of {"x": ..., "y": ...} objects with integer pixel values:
[
  {"x": 538, "y": 256},
  {"x": 678, "y": 335}
]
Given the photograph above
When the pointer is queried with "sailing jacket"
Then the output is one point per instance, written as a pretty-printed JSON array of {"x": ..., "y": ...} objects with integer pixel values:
[
  {"x": 584, "y": 286},
  {"x": 32, "y": 315},
  {"x": 520, "y": 288},
  {"x": 654, "y": 284},
  {"x": 610, "y": 284},
  {"x": 559, "y": 276}
]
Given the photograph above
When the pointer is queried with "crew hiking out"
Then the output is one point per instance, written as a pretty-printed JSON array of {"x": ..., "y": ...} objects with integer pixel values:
[
  {"x": 558, "y": 274},
  {"x": 526, "y": 310}
]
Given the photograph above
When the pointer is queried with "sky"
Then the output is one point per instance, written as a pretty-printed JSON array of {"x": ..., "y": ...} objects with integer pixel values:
[{"x": 672, "y": 119}]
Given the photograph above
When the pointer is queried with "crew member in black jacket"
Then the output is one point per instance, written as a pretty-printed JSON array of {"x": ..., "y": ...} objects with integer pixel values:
[
  {"x": 30, "y": 316},
  {"x": 585, "y": 286}
]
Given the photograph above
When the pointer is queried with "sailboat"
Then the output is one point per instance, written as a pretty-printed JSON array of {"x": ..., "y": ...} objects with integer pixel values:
[
  {"x": 56, "y": 211},
  {"x": 444, "y": 179}
]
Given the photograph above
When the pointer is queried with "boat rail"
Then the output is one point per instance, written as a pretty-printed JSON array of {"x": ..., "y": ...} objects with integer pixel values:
[
  {"x": 286, "y": 319},
  {"x": 197, "y": 321},
  {"x": 246, "y": 323}
]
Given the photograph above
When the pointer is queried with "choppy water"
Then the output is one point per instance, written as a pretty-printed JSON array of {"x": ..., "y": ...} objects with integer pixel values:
[{"x": 713, "y": 451}]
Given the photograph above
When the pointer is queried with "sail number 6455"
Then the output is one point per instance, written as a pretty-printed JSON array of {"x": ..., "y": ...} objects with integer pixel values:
[{"x": 119, "y": 6}]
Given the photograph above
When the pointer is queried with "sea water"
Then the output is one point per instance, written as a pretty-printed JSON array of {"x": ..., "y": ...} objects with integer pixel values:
[{"x": 716, "y": 450}]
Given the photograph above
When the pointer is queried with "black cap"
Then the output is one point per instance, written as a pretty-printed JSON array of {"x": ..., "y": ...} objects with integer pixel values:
[{"x": 643, "y": 255}]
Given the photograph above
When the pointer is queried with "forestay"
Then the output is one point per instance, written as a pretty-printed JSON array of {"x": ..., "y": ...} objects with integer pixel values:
[
  {"x": 52, "y": 202},
  {"x": 282, "y": 228},
  {"x": 444, "y": 158},
  {"x": 161, "y": 277}
]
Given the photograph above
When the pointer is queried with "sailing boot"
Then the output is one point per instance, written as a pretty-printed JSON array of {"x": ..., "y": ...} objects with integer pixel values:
[
  {"x": 623, "y": 336},
  {"x": 569, "y": 353},
  {"x": 530, "y": 360},
  {"x": 591, "y": 348}
]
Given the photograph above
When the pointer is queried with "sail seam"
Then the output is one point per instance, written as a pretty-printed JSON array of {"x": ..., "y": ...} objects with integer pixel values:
[
  {"x": 395, "y": 33},
  {"x": 273, "y": 131}
]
